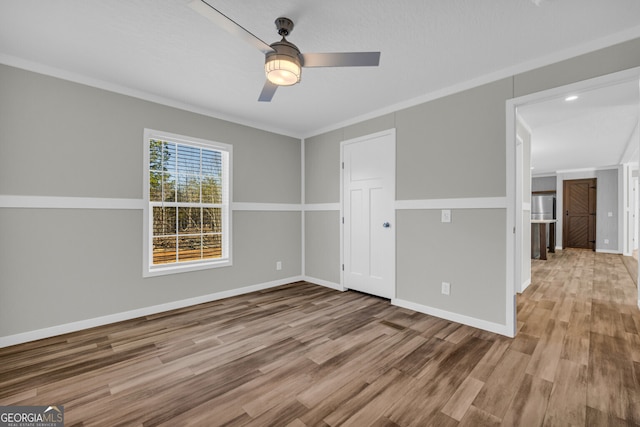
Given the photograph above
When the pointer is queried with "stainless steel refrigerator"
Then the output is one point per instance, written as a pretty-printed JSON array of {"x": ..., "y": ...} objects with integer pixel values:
[{"x": 543, "y": 206}]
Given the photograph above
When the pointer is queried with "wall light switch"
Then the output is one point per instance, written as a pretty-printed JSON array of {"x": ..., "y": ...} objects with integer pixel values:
[
  {"x": 606, "y": 241},
  {"x": 279, "y": 265},
  {"x": 609, "y": 213},
  {"x": 446, "y": 288},
  {"x": 446, "y": 215}
]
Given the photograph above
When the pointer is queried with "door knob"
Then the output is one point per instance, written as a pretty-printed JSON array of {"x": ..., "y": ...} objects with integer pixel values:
[{"x": 386, "y": 225}]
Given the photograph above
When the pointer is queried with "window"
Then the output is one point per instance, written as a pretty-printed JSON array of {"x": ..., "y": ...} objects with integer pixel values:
[{"x": 187, "y": 219}]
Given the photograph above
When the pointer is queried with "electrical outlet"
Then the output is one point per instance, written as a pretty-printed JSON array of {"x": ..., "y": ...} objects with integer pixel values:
[
  {"x": 609, "y": 214},
  {"x": 446, "y": 288},
  {"x": 279, "y": 265},
  {"x": 446, "y": 215}
]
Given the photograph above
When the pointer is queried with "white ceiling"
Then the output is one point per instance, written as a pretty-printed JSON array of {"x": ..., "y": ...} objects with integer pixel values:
[
  {"x": 162, "y": 50},
  {"x": 596, "y": 130}
]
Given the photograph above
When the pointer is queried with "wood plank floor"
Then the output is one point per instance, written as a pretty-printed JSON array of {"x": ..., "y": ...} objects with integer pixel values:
[{"x": 304, "y": 355}]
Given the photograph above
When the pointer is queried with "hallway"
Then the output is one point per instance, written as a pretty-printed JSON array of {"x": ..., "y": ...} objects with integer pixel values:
[{"x": 579, "y": 322}]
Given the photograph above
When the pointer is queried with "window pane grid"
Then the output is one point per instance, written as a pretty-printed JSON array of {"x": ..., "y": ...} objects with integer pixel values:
[
  {"x": 186, "y": 205},
  {"x": 186, "y": 191}
]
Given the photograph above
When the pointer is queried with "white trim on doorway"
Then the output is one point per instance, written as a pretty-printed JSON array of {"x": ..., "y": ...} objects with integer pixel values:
[
  {"x": 513, "y": 210},
  {"x": 519, "y": 221}
]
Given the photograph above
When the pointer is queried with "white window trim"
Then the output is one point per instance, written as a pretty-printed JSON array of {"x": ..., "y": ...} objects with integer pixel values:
[{"x": 149, "y": 270}]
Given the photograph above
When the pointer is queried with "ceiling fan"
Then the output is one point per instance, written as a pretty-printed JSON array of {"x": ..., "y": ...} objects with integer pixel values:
[{"x": 283, "y": 60}]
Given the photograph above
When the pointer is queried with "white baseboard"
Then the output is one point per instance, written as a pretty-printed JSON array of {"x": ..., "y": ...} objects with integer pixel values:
[
  {"x": 325, "y": 283},
  {"x": 602, "y": 251},
  {"x": 525, "y": 285},
  {"x": 455, "y": 317},
  {"x": 132, "y": 314}
]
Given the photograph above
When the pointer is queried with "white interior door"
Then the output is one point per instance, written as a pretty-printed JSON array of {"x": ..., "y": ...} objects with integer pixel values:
[
  {"x": 369, "y": 214},
  {"x": 634, "y": 214}
]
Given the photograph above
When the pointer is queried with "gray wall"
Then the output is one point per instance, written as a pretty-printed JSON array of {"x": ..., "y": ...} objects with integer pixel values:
[
  {"x": 322, "y": 168},
  {"x": 452, "y": 147},
  {"x": 467, "y": 253},
  {"x": 436, "y": 158},
  {"x": 543, "y": 183},
  {"x": 607, "y": 201},
  {"x": 62, "y": 139},
  {"x": 322, "y": 245},
  {"x": 594, "y": 64}
]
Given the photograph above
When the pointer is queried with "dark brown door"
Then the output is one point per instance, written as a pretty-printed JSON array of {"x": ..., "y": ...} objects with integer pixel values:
[{"x": 579, "y": 203}]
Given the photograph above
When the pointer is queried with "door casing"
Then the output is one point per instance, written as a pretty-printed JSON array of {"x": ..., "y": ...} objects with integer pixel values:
[
  {"x": 585, "y": 191},
  {"x": 391, "y": 135}
]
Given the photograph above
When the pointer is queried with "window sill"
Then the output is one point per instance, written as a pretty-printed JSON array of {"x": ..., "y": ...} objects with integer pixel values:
[{"x": 175, "y": 269}]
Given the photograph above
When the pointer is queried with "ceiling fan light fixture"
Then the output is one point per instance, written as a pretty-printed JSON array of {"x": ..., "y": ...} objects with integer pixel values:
[
  {"x": 283, "y": 60},
  {"x": 282, "y": 66},
  {"x": 282, "y": 70}
]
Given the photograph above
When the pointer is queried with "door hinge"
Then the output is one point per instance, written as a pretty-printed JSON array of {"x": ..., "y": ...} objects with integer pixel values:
[
  {"x": 342, "y": 267},
  {"x": 342, "y": 165},
  {"x": 514, "y": 230},
  {"x": 343, "y": 220}
]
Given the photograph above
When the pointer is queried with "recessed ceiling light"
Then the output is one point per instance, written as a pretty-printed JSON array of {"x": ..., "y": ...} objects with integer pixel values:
[{"x": 571, "y": 98}]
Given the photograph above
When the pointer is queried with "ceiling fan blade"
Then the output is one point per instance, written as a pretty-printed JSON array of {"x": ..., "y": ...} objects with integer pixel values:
[
  {"x": 342, "y": 59},
  {"x": 268, "y": 91},
  {"x": 228, "y": 24}
]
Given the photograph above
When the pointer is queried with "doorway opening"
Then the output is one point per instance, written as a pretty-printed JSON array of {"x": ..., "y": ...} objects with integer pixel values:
[
  {"x": 519, "y": 173},
  {"x": 580, "y": 214}
]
